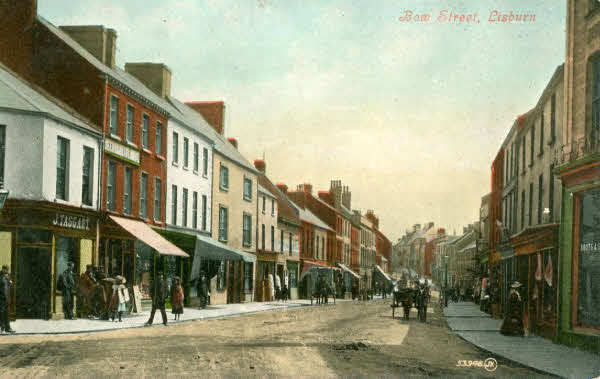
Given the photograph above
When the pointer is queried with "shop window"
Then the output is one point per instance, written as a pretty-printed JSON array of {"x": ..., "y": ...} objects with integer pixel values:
[
  {"x": 34, "y": 236},
  {"x": 588, "y": 278},
  {"x": 248, "y": 277},
  {"x": 144, "y": 268},
  {"x": 221, "y": 275},
  {"x": 293, "y": 270},
  {"x": 171, "y": 268},
  {"x": 549, "y": 285},
  {"x": 66, "y": 251}
]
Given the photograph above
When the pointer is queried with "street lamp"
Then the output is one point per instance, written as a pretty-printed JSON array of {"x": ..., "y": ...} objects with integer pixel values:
[{"x": 445, "y": 280}]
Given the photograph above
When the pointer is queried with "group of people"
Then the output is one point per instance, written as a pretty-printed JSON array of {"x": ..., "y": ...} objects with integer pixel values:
[{"x": 278, "y": 289}]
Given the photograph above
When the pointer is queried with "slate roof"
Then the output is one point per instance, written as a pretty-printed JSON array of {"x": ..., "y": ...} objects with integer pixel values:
[
  {"x": 17, "y": 94},
  {"x": 175, "y": 108},
  {"x": 266, "y": 191},
  {"x": 308, "y": 216}
]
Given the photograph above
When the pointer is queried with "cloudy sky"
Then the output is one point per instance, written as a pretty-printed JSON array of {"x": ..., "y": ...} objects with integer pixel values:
[{"x": 409, "y": 115}]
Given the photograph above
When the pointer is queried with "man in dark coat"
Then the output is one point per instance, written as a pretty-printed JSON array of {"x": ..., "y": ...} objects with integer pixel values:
[
  {"x": 5, "y": 284},
  {"x": 158, "y": 293},
  {"x": 85, "y": 289},
  {"x": 202, "y": 287},
  {"x": 66, "y": 285}
]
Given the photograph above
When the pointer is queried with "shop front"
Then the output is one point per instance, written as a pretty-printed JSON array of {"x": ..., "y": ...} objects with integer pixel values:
[
  {"x": 230, "y": 272},
  {"x": 536, "y": 254},
  {"x": 293, "y": 267},
  {"x": 37, "y": 240},
  {"x": 266, "y": 265},
  {"x": 507, "y": 266},
  {"x": 579, "y": 264},
  {"x": 385, "y": 282},
  {"x": 134, "y": 250},
  {"x": 351, "y": 280}
]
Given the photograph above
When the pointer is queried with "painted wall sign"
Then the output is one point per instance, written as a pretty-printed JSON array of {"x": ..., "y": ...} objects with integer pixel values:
[
  {"x": 121, "y": 151},
  {"x": 590, "y": 247},
  {"x": 71, "y": 222}
]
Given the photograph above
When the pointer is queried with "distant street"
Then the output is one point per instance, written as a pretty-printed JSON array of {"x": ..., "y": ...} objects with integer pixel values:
[{"x": 342, "y": 340}]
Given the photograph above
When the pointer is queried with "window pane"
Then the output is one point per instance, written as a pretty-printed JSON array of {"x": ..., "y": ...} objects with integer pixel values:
[
  {"x": 145, "y": 129},
  {"x": 114, "y": 114},
  {"x": 174, "y": 205},
  {"x": 143, "y": 195},
  {"x": 175, "y": 147},
  {"x": 61, "y": 168},
  {"x": 157, "y": 198},
  {"x": 127, "y": 191},
  {"x": 185, "y": 152},
  {"x": 205, "y": 161},
  {"x": 195, "y": 210},
  {"x": 87, "y": 181},
  {"x": 110, "y": 187},
  {"x": 158, "y": 142},
  {"x": 196, "y": 157},
  {"x": 129, "y": 134},
  {"x": 204, "y": 200},
  {"x": 184, "y": 206}
]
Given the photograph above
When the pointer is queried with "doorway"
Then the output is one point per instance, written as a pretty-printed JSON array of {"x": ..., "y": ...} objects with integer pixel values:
[{"x": 33, "y": 282}]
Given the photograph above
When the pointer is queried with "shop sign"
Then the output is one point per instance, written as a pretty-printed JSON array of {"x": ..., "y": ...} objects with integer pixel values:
[
  {"x": 590, "y": 247},
  {"x": 71, "y": 222},
  {"x": 125, "y": 152}
]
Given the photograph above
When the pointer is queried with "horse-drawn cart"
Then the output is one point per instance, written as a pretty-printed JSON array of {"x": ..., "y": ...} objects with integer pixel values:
[{"x": 403, "y": 297}]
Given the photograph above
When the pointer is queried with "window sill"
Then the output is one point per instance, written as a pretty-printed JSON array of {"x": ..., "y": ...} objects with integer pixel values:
[
  {"x": 272, "y": 214},
  {"x": 196, "y": 172},
  {"x": 132, "y": 144},
  {"x": 159, "y": 157},
  {"x": 186, "y": 168},
  {"x": 247, "y": 245},
  {"x": 222, "y": 240},
  {"x": 61, "y": 201},
  {"x": 175, "y": 163},
  {"x": 115, "y": 137},
  {"x": 157, "y": 222},
  {"x": 113, "y": 212},
  {"x": 205, "y": 176},
  {"x": 224, "y": 189},
  {"x": 146, "y": 151}
]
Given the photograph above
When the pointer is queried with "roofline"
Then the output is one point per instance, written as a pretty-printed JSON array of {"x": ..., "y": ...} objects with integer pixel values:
[
  {"x": 93, "y": 132},
  {"x": 252, "y": 170}
]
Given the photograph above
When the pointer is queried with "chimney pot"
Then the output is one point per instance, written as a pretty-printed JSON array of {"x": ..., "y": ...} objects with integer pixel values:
[
  {"x": 260, "y": 165},
  {"x": 233, "y": 141},
  {"x": 282, "y": 187}
]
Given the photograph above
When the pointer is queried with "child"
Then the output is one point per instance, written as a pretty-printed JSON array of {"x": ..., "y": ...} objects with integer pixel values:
[
  {"x": 176, "y": 298},
  {"x": 119, "y": 298}
]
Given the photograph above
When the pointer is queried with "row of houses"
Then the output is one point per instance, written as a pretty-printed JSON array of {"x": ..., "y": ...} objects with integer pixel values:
[
  {"x": 539, "y": 224},
  {"x": 105, "y": 167}
]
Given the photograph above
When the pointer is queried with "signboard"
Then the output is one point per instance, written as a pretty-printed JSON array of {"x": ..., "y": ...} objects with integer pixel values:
[
  {"x": 589, "y": 247},
  {"x": 137, "y": 300},
  {"x": 71, "y": 222},
  {"x": 122, "y": 151}
]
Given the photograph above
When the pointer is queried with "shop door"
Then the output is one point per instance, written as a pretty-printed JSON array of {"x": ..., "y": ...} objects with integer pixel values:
[{"x": 33, "y": 282}]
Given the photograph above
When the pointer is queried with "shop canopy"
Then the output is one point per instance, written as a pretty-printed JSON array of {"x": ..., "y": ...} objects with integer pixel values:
[
  {"x": 312, "y": 266},
  {"x": 345, "y": 268},
  {"x": 144, "y": 233},
  {"x": 208, "y": 249},
  {"x": 383, "y": 273}
]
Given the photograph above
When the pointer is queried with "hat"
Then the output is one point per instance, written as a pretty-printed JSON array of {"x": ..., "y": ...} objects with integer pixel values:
[
  {"x": 121, "y": 279},
  {"x": 516, "y": 285}
]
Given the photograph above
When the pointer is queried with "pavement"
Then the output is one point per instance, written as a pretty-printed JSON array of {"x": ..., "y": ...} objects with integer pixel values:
[
  {"x": 480, "y": 329},
  {"x": 84, "y": 325}
]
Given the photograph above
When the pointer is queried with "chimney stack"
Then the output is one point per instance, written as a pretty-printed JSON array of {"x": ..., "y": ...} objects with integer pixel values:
[
  {"x": 282, "y": 187},
  {"x": 99, "y": 41},
  {"x": 307, "y": 188},
  {"x": 22, "y": 12},
  {"x": 156, "y": 76},
  {"x": 326, "y": 196},
  {"x": 260, "y": 165},
  {"x": 233, "y": 141},
  {"x": 212, "y": 111}
]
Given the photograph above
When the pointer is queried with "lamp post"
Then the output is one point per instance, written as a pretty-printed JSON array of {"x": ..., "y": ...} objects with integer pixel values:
[{"x": 445, "y": 280}]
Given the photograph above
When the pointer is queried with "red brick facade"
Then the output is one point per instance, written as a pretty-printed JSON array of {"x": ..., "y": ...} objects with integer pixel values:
[
  {"x": 150, "y": 163},
  {"x": 496, "y": 200}
]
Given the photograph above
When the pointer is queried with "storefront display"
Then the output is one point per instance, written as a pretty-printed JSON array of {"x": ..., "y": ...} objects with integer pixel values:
[{"x": 588, "y": 266}]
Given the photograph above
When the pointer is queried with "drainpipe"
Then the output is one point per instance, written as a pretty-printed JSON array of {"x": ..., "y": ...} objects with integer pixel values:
[{"x": 100, "y": 182}]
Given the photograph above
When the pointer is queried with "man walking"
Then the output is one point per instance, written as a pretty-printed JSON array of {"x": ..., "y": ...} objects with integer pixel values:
[
  {"x": 66, "y": 285},
  {"x": 5, "y": 284},
  {"x": 158, "y": 293},
  {"x": 202, "y": 288}
]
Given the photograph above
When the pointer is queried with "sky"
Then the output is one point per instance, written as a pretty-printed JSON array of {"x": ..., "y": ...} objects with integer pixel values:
[{"x": 409, "y": 115}]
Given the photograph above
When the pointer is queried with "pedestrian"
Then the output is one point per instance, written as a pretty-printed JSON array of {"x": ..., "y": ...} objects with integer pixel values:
[
  {"x": 277, "y": 287},
  {"x": 85, "y": 290},
  {"x": 286, "y": 290},
  {"x": 202, "y": 288},
  {"x": 119, "y": 298},
  {"x": 158, "y": 293},
  {"x": 66, "y": 285},
  {"x": 462, "y": 294},
  {"x": 177, "y": 298},
  {"x": 271, "y": 287},
  {"x": 512, "y": 325},
  {"x": 5, "y": 286}
]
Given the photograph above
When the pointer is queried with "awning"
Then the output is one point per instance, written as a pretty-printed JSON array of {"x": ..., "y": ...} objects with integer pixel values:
[
  {"x": 349, "y": 271},
  {"x": 471, "y": 246},
  {"x": 144, "y": 233},
  {"x": 383, "y": 273},
  {"x": 307, "y": 266},
  {"x": 209, "y": 249}
]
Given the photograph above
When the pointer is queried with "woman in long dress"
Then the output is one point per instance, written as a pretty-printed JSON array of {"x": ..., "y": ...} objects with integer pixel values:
[
  {"x": 119, "y": 298},
  {"x": 177, "y": 298},
  {"x": 513, "y": 321}
]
